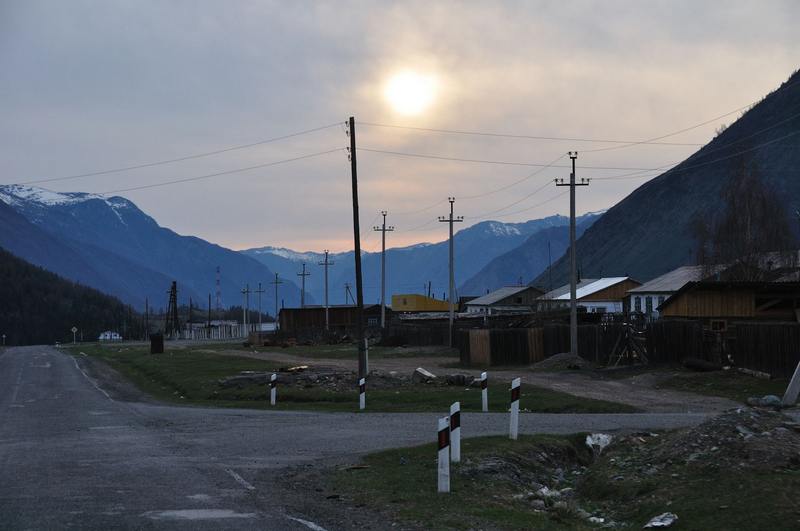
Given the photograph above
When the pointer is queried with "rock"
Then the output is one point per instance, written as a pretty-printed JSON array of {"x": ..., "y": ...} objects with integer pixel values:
[
  {"x": 662, "y": 520},
  {"x": 598, "y": 441},
  {"x": 546, "y": 492},
  {"x": 765, "y": 401},
  {"x": 420, "y": 375},
  {"x": 538, "y": 505},
  {"x": 456, "y": 379}
]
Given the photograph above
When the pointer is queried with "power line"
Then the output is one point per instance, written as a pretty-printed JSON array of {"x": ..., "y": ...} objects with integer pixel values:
[
  {"x": 506, "y": 187},
  {"x": 533, "y": 137},
  {"x": 228, "y": 172},
  {"x": 179, "y": 159},
  {"x": 485, "y": 161}
]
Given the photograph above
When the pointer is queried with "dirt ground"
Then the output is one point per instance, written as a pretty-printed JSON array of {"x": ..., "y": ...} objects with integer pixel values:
[{"x": 638, "y": 390}]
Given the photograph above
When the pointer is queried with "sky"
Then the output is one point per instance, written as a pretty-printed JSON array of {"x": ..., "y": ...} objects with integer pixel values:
[{"x": 89, "y": 86}]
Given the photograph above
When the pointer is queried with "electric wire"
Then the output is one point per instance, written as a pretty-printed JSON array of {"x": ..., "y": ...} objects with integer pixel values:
[
  {"x": 179, "y": 159},
  {"x": 218, "y": 174}
]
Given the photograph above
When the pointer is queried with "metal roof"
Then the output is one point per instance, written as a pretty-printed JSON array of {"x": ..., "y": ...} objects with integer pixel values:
[
  {"x": 556, "y": 293},
  {"x": 672, "y": 281},
  {"x": 593, "y": 287},
  {"x": 498, "y": 295}
]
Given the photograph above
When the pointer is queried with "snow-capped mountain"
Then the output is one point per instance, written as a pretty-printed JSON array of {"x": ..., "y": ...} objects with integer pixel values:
[
  {"x": 121, "y": 250},
  {"x": 410, "y": 268}
]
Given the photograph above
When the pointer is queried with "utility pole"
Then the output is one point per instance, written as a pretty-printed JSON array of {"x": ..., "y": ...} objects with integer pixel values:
[
  {"x": 450, "y": 219},
  {"x": 573, "y": 304},
  {"x": 275, "y": 282},
  {"x": 303, "y": 276},
  {"x": 219, "y": 296},
  {"x": 260, "y": 290},
  {"x": 208, "y": 321},
  {"x": 326, "y": 263},
  {"x": 146, "y": 319},
  {"x": 362, "y": 352},
  {"x": 348, "y": 295},
  {"x": 383, "y": 229},
  {"x": 246, "y": 306}
]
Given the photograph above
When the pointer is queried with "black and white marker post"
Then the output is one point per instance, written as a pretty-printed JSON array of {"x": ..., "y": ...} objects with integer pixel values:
[
  {"x": 513, "y": 429},
  {"x": 484, "y": 392},
  {"x": 362, "y": 393},
  {"x": 455, "y": 432},
  {"x": 366, "y": 355},
  {"x": 273, "y": 380},
  {"x": 443, "y": 472}
]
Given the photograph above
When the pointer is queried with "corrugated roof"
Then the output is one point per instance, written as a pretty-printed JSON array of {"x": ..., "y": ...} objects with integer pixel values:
[
  {"x": 593, "y": 287},
  {"x": 556, "y": 293},
  {"x": 497, "y": 295},
  {"x": 672, "y": 281}
]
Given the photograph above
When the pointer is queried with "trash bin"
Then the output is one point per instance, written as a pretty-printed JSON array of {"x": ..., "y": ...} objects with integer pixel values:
[{"x": 157, "y": 343}]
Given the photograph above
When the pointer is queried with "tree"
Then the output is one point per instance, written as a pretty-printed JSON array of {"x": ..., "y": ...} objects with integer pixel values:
[{"x": 752, "y": 234}]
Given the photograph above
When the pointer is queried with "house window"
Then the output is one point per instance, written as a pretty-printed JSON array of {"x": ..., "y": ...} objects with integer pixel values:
[
  {"x": 637, "y": 304},
  {"x": 405, "y": 301},
  {"x": 648, "y": 304},
  {"x": 661, "y": 300},
  {"x": 519, "y": 300},
  {"x": 372, "y": 321}
]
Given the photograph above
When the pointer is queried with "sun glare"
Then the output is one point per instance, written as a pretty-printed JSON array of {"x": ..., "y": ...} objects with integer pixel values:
[{"x": 409, "y": 92}]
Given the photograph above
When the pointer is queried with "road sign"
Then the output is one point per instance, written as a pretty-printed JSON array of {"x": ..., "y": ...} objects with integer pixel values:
[{"x": 74, "y": 329}]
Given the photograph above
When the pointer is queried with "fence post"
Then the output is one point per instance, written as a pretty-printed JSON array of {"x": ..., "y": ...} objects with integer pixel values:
[
  {"x": 513, "y": 429},
  {"x": 484, "y": 392},
  {"x": 362, "y": 393},
  {"x": 272, "y": 389},
  {"x": 455, "y": 432},
  {"x": 443, "y": 471}
]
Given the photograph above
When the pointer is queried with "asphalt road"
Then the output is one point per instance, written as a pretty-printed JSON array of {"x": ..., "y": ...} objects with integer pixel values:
[{"x": 73, "y": 457}]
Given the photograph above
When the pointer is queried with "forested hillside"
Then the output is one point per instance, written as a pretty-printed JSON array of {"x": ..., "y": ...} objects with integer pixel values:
[{"x": 37, "y": 306}]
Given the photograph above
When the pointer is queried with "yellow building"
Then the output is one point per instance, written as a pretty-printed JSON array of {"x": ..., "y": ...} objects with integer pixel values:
[{"x": 418, "y": 303}]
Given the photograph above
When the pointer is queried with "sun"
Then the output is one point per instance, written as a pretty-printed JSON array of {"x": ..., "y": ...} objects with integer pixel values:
[{"x": 409, "y": 92}]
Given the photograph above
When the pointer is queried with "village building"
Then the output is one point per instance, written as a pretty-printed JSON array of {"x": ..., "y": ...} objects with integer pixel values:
[
  {"x": 341, "y": 318},
  {"x": 515, "y": 299},
  {"x": 108, "y": 335},
  {"x": 416, "y": 303},
  {"x": 718, "y": 302},
  {"x": 603, "y": 295},
  {"x": 649, "y": 296}
]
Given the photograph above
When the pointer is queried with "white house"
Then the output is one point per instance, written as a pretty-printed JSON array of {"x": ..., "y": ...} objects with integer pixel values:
[
  {"x": 603, "y": 295},
  {"x": 108, "y": 335},
  {"x": 650, "y": 295}
]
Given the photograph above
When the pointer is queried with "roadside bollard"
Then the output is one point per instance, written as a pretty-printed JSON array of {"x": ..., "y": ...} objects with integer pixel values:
[
  {"x": 272, "y": 388},
  {"x": 513, "y": 429},
  {"x": 366, "y": 356},
  {"x": 455, "y": 432},
  {"x": 362, "y": 393},
  {"x": 484, "y": 392},
  {"x": 443, "y": 471}
]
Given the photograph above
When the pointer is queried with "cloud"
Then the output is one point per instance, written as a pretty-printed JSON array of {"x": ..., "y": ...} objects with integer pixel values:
[{"x": 93, "y": 85}]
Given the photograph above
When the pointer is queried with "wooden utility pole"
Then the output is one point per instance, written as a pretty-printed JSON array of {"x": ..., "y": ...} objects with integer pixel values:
[
  {"x": 573, "y": 303},
  {"x": 362, "y": 352},
  {"x": 450, "y": 220},
  {"x": 245, "y": 308},
  {"x": 383, "y": 229},
  {"x": 260, "y": 290},
  {"x": 326, "y": 263},
  {"x": 303, "y": 276}
]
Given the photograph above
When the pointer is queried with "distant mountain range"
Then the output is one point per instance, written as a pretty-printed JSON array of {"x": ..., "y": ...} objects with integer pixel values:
[
  {"x": 527, "y": 261},
  {"x": 650, "y": 232},
  {"x": 409, "y": 269},
  {"x": 111, "y": 245}
]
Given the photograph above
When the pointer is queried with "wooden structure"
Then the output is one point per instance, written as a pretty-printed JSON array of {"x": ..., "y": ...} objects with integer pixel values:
[
  {"x": 603, "y": 295},
  {"x": 342, "y": 318},
  {"x": 508, "y": 299},
  {"x": 723, "y": 301}
]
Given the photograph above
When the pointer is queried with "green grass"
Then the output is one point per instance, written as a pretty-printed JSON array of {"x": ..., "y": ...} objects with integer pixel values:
[
  {"x": 403, "y": 482},
  {"x": 191, "y": 375},
  {"x": 727, "y": 384}
]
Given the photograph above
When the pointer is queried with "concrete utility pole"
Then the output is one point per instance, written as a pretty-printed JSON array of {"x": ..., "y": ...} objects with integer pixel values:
[
  {"x": 383, "y": 229},
  {"x": 451, "y": 220},
  {"x": 246, "y": 307},
  {"x": 276, "y": 282},
  {"x": 260, "y": 290},
  {"x": 362, "y": 351},
  {"x": 573, "y": 304},
  {"x": 303, "y": 276},
  {"x": 326, "y": 263}
]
